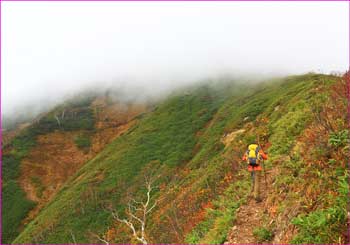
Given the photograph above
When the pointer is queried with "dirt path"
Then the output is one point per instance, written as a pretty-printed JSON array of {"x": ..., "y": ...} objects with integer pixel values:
[{"x": 250, "y": 216}]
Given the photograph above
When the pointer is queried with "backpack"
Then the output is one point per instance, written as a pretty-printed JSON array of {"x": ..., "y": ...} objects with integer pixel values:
[{"x": 253, "y": 155}]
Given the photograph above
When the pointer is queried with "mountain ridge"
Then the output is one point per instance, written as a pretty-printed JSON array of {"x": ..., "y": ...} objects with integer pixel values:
[{"x": 193, "y": 142}]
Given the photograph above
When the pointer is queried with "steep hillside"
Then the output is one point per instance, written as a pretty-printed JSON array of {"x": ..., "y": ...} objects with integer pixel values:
[
  {"x": 191, "y": 146},
  {"x": 40, "y": 157}
]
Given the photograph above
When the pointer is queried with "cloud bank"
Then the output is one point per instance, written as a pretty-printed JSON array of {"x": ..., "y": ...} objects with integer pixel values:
[{"x": 52, "y": 49}]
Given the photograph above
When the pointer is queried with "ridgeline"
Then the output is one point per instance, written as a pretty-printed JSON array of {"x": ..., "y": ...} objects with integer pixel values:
[{"x": 71, "y": 176}]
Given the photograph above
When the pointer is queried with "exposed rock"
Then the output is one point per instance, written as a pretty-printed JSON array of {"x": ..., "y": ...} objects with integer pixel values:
[{"x": 228, "y": 138}]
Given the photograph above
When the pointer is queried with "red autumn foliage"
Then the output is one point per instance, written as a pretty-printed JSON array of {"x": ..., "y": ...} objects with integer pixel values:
[{"x": 332, "y": 117}]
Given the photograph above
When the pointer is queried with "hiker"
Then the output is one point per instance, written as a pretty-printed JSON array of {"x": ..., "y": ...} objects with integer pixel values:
[{"x": 254, "y": 157}]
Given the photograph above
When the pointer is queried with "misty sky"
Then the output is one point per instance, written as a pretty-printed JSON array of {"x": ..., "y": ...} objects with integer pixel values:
[{"x": 51, "y": 49}]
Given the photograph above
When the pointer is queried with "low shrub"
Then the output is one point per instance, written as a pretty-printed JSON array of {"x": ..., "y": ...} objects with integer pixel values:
[
  {"x": 325, "y": 225},
  {"x": 262, "y": 234},
  {"x": 14, "y": 210},
  {"x": 83, "y": 142},
  {"x": 338, "y": 139},
  {"x": 39, "y": 187}
]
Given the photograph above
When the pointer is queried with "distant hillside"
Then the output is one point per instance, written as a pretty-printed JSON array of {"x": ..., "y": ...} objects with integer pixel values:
[
  {"x": 191, "y": 146},
  {"x": 39, "y": 157}
]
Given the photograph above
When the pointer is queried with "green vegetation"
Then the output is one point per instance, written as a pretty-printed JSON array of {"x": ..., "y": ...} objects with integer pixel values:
[
  {"x": 66, "y": 119},
  {"x": 316, "y": 155},
  {"x": 15, "y": 207},
  {"x": 15, "y": 204},
  {"x": 83, "y": 142},
  {"x": 38, "y": 186},
  {"x": 338, "y": 139},
  {"x": 219, "y": 218},
  {"x": 200, "y": 182},
  {"x": 168, "y": 135},
  {"x": 325, "y": 226},
  {"x": 262, "y": 234}
]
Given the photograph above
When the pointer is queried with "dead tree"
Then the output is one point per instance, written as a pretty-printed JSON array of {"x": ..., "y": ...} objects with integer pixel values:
[
  {"x": 58, "y": 120},
  {"x": 102, "y": 239},
  {"x": 136, "y": 214}
]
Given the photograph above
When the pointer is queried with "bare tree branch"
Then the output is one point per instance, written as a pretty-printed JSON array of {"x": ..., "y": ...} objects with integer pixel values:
[
  {"x": 152, "y": 207},
  {"x": 137, "y": 211},
  {"x": 102, "y": 239},
  {"x": 73, "y": 237},
  {"x": 58, "y": 121}
]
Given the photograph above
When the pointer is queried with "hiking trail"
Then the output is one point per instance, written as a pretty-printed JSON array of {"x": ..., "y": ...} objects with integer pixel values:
[{"x": 251, "y": 215}]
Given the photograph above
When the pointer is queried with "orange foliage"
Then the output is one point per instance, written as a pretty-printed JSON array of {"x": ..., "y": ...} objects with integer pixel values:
[
  {"x": 228, "y": 177},
  {"x": 331, "y": 118},
  {"x": 111, "y": 234},
  {"x": 56, "y": 157},
  {"x": 272, "y": 211}
]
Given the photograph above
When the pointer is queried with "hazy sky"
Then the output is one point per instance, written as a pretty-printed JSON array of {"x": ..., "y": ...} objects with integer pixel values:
[{"x": 50, "y": 49}]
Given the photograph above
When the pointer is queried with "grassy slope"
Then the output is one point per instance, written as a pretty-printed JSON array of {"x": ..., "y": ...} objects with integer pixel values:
[
  {"x": 182, "y": 139},
  {"x": 301, "y": 190},
  {"x": 15, "y": 204},
  {"x": 167, "y": 135},
  {"x": 214, "y": 228}
]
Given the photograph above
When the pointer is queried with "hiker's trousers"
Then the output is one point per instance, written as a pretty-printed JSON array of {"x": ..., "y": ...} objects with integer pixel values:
[{"x": 256, "y": 176}]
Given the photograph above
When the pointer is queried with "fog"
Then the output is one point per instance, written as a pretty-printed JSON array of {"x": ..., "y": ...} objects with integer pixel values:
[{"x": 51, "y": 50}]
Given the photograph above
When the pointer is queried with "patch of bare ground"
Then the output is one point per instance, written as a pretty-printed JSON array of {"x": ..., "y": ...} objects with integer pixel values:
[
  {"x": 56, "y": 157},
  {"x": 251, "y": 215}
]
